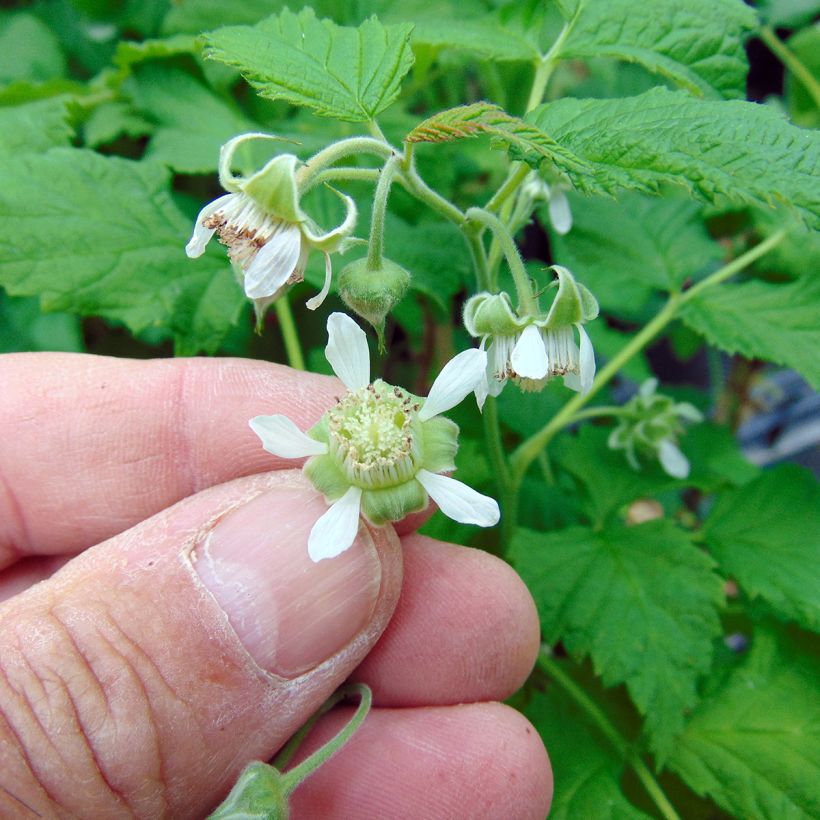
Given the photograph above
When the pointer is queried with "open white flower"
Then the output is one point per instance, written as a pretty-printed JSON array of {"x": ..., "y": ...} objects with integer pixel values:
[
  {"x": 380, "y": 451},
  {"x": 267, "y": 233}
]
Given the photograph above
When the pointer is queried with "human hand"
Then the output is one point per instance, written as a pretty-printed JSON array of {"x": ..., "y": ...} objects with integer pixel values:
[{"x": 141, "y": 677}]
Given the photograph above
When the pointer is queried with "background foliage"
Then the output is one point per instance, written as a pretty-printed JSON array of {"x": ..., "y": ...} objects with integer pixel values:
[{"x": 678, "y": 675}]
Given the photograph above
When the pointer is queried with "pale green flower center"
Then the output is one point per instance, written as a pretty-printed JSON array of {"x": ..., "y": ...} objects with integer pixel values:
[{"x": 372, "y": 436}]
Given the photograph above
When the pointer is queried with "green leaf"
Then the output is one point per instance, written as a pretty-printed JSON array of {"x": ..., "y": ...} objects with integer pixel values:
[
  {"x": 753, "y": 745},
  {"x": 626, "y": 250},
  {"x": 607, "y": 343},
  {"x": 24, "y": 328},
  {"x": 101, "y": 236},
  {"x": 193, "y": 122},
  {"x": 34, "y": 127},
  {"x": 586, "y": 768},
  {"x": 722, "y": 152},
  {"x": 698, "y": 44},
  {"x": 29, "y": 50},
  {"x": 767, "y": 535},
  {"x": 195, "y": 16},
  {"x": 483, "y": 118},
  {"x": 111, "y": 120},
  {"x": 130, "y": 53},
  {"x": 779, "y": 323},
  {"x": 641, "y": 601},
  {"x": 486, "y": 37},
  {"x": 346, "y": 73},
  {"x": 716, "y": 458}
]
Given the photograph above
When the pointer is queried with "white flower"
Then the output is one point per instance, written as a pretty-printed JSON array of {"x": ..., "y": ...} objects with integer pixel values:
[
  {"x": 534, "y": 188},
  {"x": 267, "y": 234},
  {"x": 380, "y": 451}
]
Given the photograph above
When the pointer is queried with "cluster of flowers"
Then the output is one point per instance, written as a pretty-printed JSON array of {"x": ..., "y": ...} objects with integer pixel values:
[{"x": 382, "y": 452}]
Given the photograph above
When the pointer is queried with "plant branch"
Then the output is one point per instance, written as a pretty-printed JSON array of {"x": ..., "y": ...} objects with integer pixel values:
[
  {"x": 376, "y": 244},
  {"x": 289, "y": 334},
  {"x": 553, "y": 669},
  {"x": 792, "y": 62}
]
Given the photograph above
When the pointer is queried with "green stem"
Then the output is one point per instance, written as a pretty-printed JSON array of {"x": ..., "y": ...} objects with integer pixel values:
[
  {"x": 529, "y": 449},
  {"x": 597, "y": 412},
  {"x": 792, "y": 62},
  {"x": 375, "y": 130},
  {"x": 289, "y": 334},
  {"x": 292, "y": 778},
  {"x": 552, "y": 668},
  {"x": 498, "y": 461},
  {"x": 518, "y": 173},
  {"x": 376, "y": 245},
  {"x": 410, "y": 179},
  {"x": 339, "y": 150},
  {"x": 343, "y": 174},
  {"x": 526, "y": 300},
  {"x": 479, "y": 257}
]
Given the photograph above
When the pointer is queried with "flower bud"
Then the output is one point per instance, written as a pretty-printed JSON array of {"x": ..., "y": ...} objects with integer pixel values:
[{"x": 373, "y": 292}]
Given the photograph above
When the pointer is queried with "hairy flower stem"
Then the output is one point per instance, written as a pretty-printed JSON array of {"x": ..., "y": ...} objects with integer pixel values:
[
  {"x": 339, "y": 150},
  {"x": 376, "y": 244},
  {"x": 290, "y": 335},
  {"x": 526, "y": 300},
  {"x": 529, "y": 449},
  {"x": 507, "y": 493},
  {"x": 549, "y": 666}
]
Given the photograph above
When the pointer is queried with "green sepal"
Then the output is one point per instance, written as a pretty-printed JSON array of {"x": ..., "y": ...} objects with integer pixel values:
[
  {"x": 274, "y": 188},
  {"x": 325, "y": 475},
  {"x": 439, "y": 444},
  {"x": 573, "y": 304},
  {"x": 393, "y": 503},
  {"x": 373, "y": 292},
  {"x": 260, "y": 792},
  {"x": 490, "y": 314}
]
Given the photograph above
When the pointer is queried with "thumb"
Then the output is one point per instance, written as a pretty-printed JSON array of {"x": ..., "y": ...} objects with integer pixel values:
[{"x": 143, "y": 676}]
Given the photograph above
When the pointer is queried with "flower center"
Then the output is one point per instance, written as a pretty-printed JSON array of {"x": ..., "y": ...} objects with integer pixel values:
[{"x": 372, "y": 436}]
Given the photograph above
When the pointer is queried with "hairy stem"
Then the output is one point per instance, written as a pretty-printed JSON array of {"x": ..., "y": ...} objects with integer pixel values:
[
  {"x": 553, "y": 669},
  {"x": 376, "y": 244},
  {"x": 290, "y": 336},
  {"x": 339, "y": 150}
]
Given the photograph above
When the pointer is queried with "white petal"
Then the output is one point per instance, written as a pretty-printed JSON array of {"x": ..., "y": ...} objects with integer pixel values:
[
  {"x": 458, "y": 501},
  {"x": 280, "y": 436},
  {"x": 274, "y": 263},
  {"x": 583, "y": 381},
  {"x": 529, "y": 356},
  {"x": 647, "y": 389},
  {"x": 202, "y": 235},
  {"x": 673, "y": 461},
  {"x": 347, "y": 351},
  {"x": 559, "y": 210},
  {"x": 457, "y": 379},
  {"x": 320, "y": 297},
  {"x": 688, "y": 411},
  {"x": 336, "y": 530}
]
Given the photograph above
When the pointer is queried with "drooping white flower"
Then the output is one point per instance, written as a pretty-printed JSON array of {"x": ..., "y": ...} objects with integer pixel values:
[
  {"x": 380, "y": 451},
  {"x": 535, "y": 188},
  {"x": 267, "y": 233},
  {"x": 531, "y": 350},
  {"x": 650, "y": 424}
]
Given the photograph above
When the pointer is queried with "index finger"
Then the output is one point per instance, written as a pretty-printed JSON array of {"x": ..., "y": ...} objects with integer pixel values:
[{"x": 92, "y": 445}]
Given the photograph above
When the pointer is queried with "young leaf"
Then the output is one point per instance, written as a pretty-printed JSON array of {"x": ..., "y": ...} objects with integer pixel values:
[
  {"x": 34, "y": 127},
  {"x": 341, "y": 72},
  {"x": 779, "y": 323},
  {"x": 100, "y": 235},
  {"x": 767, "y": 535},
  {"x": 24, "y": 327},
  {"x": 29, "y": 49},
  {"x": 631, "y": 247},
  {"x": 698, "y": 44},
  {"x": 641, "y": 601},
  {"x": 721, "y": 152},
  {"x": 483, "y": 118},
  {"x": 587, "y": 770},
  {"x": 753, "y": 745}
]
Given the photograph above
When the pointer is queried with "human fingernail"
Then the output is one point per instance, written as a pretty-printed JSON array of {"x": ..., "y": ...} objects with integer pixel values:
[{"x": 290, "y": 613}]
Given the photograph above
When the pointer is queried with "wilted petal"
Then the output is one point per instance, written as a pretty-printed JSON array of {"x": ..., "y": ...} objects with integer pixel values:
[
  {"x": 336, "y": 530},
  {"x": 281, "y": 437},
  {"x": 347, "y": 351},
  {"x": 529, "y": 356},
  {"x": 320, "y": 297},
  {"x": 582, "y": 382},
  {"x": 673, "y": 461},
  {"x": 458, "y": 501},
  {"x": 274, "y": 263},
  {"x": 559, "y": 210},
  {"x": 202, "y": 235},
  {"x": 459, "y": 377}
]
